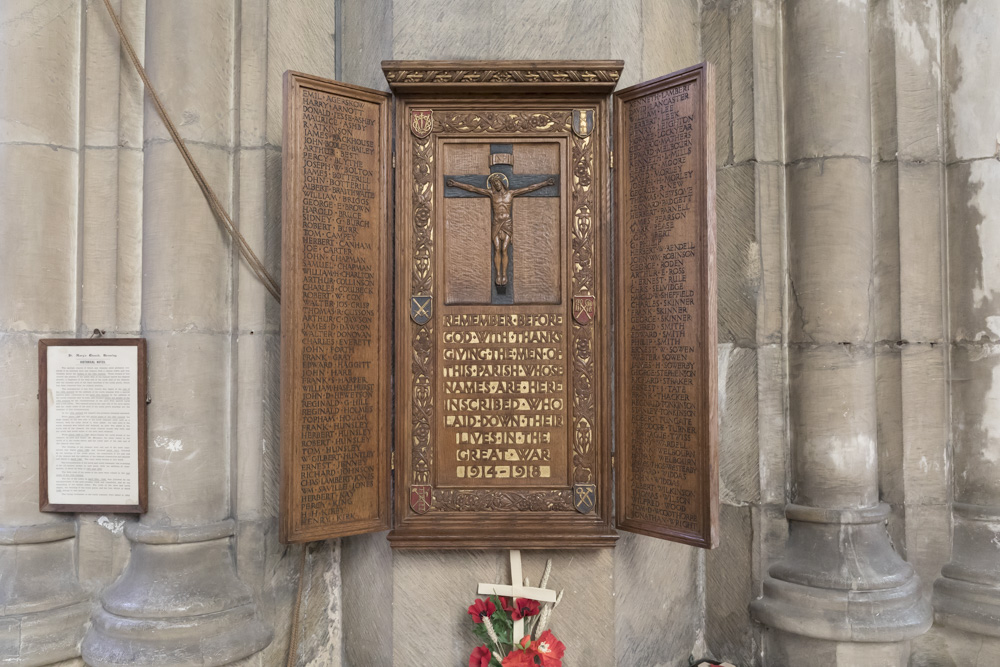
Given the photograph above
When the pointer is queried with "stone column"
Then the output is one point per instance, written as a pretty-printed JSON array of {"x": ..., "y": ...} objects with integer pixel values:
[
  {"x": 179, "y": 600},
  {"x": 967, "y": 595},
  {"x": 43, "y": 608},
  {"x": 840, "y": 595}
]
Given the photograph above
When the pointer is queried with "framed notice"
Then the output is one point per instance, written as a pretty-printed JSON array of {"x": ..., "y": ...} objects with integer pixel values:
[{"x": 92, "y": 425}]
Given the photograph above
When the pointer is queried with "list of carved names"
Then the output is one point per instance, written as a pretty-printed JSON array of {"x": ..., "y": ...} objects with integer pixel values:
[
  {"x": 662, "y": 308},
  {"x": 503, "y": 388},
  {"x": 339, "y": 309}
]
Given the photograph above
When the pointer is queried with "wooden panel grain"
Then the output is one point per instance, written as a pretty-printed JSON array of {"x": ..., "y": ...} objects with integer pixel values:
[
  {"x": 468, "y": 251},
  {"x": 537, "y": 273},
  {"x": 465, "y": 158},
  {"x": 537, "y": 158},
  {"x": 666, "y": 376},
  {"x": 335, "y": 318}
]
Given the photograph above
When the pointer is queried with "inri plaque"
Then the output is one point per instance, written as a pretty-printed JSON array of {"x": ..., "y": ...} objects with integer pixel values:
[
  {"x": 666, "y": 338},
  {"x": 335, "y": 317}
]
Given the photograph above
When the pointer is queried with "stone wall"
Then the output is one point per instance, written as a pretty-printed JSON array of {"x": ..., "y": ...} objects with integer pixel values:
[{"x": 104, "y": 228}]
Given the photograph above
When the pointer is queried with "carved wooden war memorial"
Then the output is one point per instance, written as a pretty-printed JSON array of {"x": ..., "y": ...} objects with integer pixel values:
[{"x": 466, "y": 288}]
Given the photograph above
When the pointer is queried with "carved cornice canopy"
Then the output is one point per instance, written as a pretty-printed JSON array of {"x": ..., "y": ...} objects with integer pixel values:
[{"x": 594, "y": 76}]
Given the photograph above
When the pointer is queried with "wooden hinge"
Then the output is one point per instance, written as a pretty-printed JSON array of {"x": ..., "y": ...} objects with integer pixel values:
[
  {"x": 392, "y": 460},
  {"x": 612, "y": 463},
  {"x": 612, "y": 159},
  {"x": 394, "y": 159}
]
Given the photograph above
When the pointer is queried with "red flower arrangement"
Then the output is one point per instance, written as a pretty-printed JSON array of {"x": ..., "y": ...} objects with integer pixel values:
[
  {"x": 549, "y": 650},
  {"x": 524, "y": 608},
  {"x": 493, "y": 623},
  {"x": 481, "y": 609},
  {"x": 481, "y": 657}
]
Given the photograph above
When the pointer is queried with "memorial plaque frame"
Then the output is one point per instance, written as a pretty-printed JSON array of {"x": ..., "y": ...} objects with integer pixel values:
[
  {"x": 506, "y": 162},
  {"x": 486, "y": 102},
  {"x": 45, "y": 346},
  {"x": 687, "y": 506},
  {"x": 310, "y": 480}
]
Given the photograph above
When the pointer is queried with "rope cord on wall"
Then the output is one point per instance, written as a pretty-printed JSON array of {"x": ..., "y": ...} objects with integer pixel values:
[{"x": 213, "y": 201}]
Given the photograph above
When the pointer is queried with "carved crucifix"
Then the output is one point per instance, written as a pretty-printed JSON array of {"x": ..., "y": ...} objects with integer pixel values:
[
  {"x": 502, "y": 201},
  {"x": 501, "y": 186}
]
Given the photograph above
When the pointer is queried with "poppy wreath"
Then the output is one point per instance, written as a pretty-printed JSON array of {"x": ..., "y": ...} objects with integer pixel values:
[{"x": 493, "y": 623}]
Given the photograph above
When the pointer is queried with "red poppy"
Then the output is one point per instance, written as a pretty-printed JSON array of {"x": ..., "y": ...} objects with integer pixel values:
[
  {"x": 519, "y": 659},
  {"x": 480, "y": 657},
  {"x": 506, "y": 604},
  {"x": 481, "y": 609},
  {"x": 524, "y": 607},
  {"x": 549, "y": 649}
]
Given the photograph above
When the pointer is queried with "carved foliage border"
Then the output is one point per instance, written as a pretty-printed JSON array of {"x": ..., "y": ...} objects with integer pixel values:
[
  {"x": 583, "y": 283},
  {"x": 422, "y": 284},
  {"x": 502, "y": 76}
]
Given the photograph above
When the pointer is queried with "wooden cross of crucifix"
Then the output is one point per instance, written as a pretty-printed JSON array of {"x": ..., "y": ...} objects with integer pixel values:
[
  {"x": 501, "y": 186},
  {"x": 518, "y": 590}
]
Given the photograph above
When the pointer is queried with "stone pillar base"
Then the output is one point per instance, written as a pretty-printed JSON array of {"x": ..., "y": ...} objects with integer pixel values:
[
  {"x": 783, "y": 649},
  {"x": 179, "y": 602},
  {"x": 44, "y": 637},
  {"x": 951, "y": 647},
  {"x": 967, "y": 595},
  {"x": 43, "y": 609},
  {"x": 841, "y": 583},
  {"x": 967, "y": 606}
]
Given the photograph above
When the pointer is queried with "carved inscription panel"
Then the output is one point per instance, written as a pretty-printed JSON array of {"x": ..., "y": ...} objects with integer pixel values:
[
  {"x": 666, "y": 343},
  {"x": 503, "y": 399},
  {"x": 334, "y": 328}
]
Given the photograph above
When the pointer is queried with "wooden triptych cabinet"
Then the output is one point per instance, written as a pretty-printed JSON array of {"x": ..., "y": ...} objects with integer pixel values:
[{"x": 480, "y": 296}]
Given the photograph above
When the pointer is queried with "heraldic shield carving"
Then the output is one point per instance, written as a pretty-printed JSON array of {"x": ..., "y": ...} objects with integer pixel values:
[
  {"x": 584, "y": 308},
  {"x": 420, "y": 498},
  {"x": 421, "y": 122}
]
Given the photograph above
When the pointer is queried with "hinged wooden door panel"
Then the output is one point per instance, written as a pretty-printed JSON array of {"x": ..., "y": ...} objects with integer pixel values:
[
  {"x": 666, "y": 377},
  {"x": 335, "y": 310}
]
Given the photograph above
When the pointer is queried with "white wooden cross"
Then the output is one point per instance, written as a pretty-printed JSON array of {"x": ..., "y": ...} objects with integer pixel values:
[{"x": 517, "y": 590}]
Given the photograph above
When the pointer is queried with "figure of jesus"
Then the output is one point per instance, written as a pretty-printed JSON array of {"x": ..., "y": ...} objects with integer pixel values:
[{"x": 502, "y": 201}]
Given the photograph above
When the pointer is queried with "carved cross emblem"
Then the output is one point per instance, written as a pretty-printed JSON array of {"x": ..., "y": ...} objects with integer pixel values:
[
  {"x": 420, "y": 309},
  {"x": 517, "y": 590}
]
